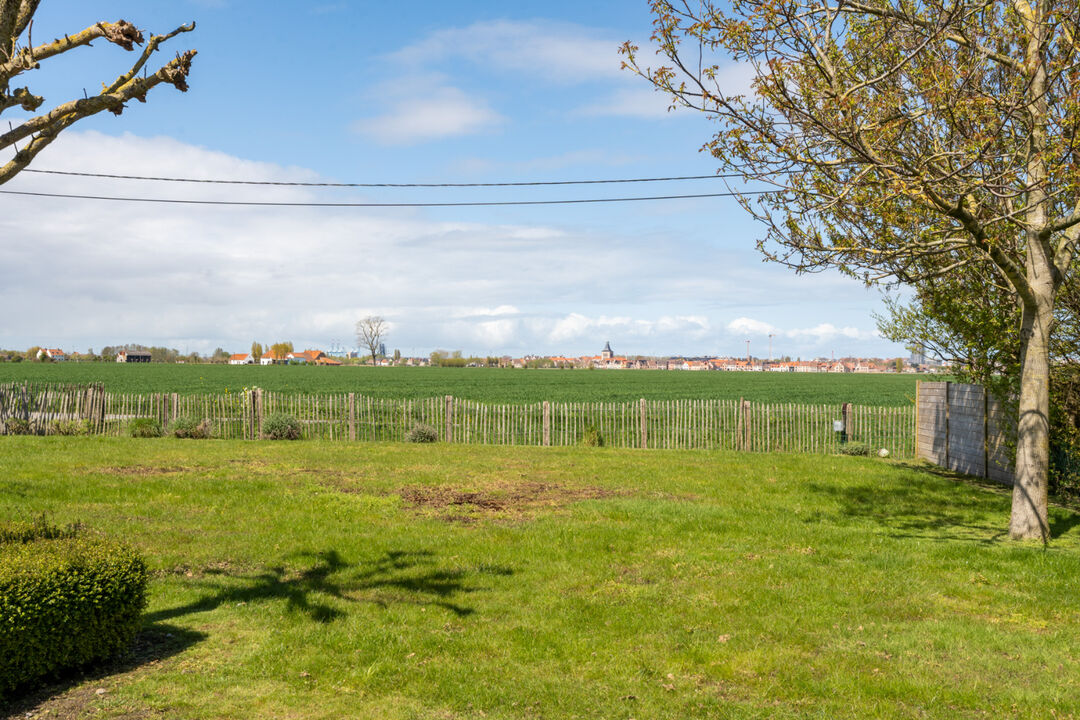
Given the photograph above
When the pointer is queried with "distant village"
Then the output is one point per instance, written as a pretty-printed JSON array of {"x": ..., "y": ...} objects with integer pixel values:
[{"x": 606, "y": 360}]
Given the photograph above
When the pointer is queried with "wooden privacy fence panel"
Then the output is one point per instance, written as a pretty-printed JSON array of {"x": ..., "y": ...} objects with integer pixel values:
[
  {"x": 671, "y": 424},
  {"x": 964, "y": 428}
]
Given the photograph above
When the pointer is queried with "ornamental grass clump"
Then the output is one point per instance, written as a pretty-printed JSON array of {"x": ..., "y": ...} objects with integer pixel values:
[
  {"x": 69, "y": 427},
  {"x": 192, "y": 428},
  {"x": 18, "y": 426},
  {"x": 66, "y": 600},
  {"x": 592, "y": 437},
  {"x": 279, "y": 426},
  {"x": 854, "y": 448},
  {"x": 421, "y": 433},
  {"x": 145, "y": 428}
]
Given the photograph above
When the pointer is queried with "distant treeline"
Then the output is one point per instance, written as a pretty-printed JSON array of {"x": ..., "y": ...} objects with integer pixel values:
[{"x": 109, "y": 353}]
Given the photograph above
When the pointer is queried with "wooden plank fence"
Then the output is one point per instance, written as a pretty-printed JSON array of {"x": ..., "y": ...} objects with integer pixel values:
[
  {"x": 667, "y": 424},
  {"x": 964, "y": 428}
]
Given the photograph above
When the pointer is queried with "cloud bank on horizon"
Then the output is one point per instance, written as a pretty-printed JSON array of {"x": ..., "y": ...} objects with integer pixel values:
[{"x": 89, "y": 273}]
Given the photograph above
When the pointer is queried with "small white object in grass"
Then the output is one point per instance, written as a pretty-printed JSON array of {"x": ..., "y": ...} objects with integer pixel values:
[{"x": 883, "y": 453}]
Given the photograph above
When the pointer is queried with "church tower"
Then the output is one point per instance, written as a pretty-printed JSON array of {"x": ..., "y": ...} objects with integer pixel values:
[{"x": 607, "y": 354}]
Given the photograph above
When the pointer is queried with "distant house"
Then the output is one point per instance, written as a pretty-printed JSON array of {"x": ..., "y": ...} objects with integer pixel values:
[
  {"x": 132, "y": 356},
  {"x": 53, "y": 354},
  {"x": 241, "y": 359},
  {"x": 307, "y": 356},
  {"x": 269, "y": 358}
]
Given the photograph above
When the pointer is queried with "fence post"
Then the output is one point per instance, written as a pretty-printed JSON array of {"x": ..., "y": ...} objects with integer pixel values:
[
  {"x": 258, "y": 418},
  {"x": 644, "y": 429},
  {"x": 352, "y": 416},
  {"x": 449, "y": 418},
  {"x": 849, "y": 424},
  {"x": 547, "y": 423},
  {"x": 745, "y": 404},
  {"x": 175, "y": 406}
]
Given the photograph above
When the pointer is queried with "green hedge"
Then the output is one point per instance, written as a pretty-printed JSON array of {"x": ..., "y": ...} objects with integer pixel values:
[{"x": 65, "y": 601}]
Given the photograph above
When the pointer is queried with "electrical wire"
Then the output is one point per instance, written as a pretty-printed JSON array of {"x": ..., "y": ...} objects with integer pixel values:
[
  {"x": 380, "y": 185},
  {"x": 265, "y": 203}
]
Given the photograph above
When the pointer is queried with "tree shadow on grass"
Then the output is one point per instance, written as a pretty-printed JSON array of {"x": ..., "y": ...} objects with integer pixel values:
[
  {"x": 961, "y": 508},
  {"x": 54, "y": 697},
  {"x": 409, "y": 576}
]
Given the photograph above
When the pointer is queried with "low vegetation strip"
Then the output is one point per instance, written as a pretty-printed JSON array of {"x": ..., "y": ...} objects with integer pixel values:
[
  {"x": 392, "y": 581},
  {"x": 657, "y": 424},
  {"x": 491, "y": 385}
]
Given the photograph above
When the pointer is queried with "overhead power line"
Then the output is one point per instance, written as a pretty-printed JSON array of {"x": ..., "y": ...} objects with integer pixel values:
[
  {"x": 274, "y": 203},
  {"x": 381, "y": 185}
]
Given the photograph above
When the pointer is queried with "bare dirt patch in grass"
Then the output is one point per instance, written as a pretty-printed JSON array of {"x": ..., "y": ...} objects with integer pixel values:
[
  {"x": 505, "y": 499},
  {"x": 145, "y": 470}
]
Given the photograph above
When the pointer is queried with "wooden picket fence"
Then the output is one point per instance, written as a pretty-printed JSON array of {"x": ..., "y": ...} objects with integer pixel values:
[{"x": 668, "y": 424}]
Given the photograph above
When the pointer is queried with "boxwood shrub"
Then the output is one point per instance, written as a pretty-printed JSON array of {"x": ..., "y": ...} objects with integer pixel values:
[{"x": 66, "y": 599}]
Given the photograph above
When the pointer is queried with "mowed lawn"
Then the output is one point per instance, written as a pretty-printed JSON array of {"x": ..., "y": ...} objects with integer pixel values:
[{"x": 310, "y": 580}]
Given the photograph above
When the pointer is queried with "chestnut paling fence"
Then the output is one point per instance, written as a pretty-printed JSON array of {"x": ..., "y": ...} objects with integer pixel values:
[{"x": 675, "y": 424}]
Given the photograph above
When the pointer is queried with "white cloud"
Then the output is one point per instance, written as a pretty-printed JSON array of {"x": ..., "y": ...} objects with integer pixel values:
[
  {"x": 749, "y": 326},
  {"x": 643, "y": 102},
  {"x": 563, "y": 53},
  {"x": 81, "y": 273},
  {"x": 823, "y": 332},
  {"x": 418, "y": 113}
]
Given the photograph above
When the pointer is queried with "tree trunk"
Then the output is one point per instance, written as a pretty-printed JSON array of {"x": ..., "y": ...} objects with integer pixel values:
[{"x": 1029, "y": 501}]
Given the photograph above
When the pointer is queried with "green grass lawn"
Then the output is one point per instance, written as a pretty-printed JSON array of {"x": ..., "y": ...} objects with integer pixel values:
[
  {"x": 482, "y": 384},
  {"x": 313, "y": 580}
]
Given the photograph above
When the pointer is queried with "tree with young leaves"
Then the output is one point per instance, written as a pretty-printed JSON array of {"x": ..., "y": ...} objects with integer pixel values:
[
  {"x": 903, "y": 141},
  {"x": 370, "y": 333},
  {"x": 18, "y": 55}
]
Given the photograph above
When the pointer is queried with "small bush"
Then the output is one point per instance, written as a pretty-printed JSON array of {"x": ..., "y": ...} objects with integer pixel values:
[
  {"x": 592, "y": 437},
  {"x": 65, "y": 601},
  {"x": 18, "y": 426},
  {"x": 854, "y": 448},
  {"x": 145, "y": 428},
  {"x": 69, "y": 427},
  {"x": 280, "y": 426},
  {"x": 192, "y": 428},
  {"x": 421, "y": 433}
]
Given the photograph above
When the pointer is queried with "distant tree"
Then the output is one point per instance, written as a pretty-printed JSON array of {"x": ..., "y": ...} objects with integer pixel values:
[
  {"x": 220, "y": 355},
  {"x": 370, "y": 333},
  {"x": 19, "y": 55},
  {"x": 256, "y": 351},
  {"x": 281, "y": 349},
  {"x": 397, "y": 356},
  {"x": 33, "y": 354}
]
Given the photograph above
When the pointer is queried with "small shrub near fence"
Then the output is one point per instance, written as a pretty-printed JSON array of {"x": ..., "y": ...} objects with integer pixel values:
[
  {"x": 854, "y": 448},
  {"x": 192, "y": 428},
  {"x": 280, "y": 426},
  {"x": 421, "y": 433},
  {"x": 145, "y": 428},
  {"x": 66, "y": 600}
]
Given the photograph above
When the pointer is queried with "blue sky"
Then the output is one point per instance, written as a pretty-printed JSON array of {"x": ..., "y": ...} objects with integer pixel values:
[{"x": 398, "y": 92}]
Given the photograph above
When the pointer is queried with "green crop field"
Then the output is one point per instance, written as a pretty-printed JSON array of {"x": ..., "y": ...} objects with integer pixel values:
[{"x": 485, "y": 385}]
